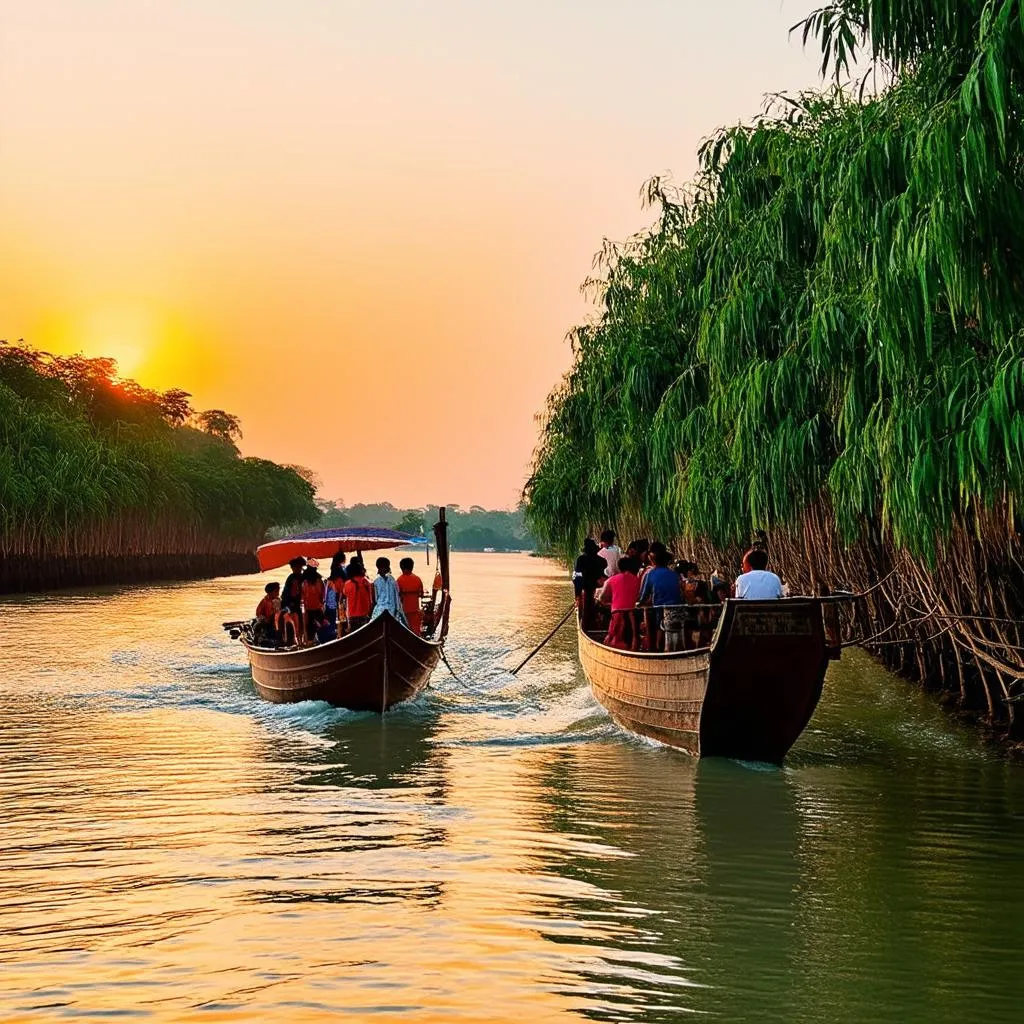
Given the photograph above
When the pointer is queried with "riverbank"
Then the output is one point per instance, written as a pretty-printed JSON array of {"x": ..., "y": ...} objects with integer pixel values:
[{"x": 20, "y": 575}]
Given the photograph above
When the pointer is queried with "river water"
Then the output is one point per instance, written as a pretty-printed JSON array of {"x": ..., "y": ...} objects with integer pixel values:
[{"x": 172, "y": 848}]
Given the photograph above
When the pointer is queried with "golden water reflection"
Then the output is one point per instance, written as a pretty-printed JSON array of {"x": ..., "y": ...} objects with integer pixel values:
[{"x": 171, "y": 848}]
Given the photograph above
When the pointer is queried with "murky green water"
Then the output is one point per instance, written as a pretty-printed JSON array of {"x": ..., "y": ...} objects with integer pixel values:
[{"x": 171, "y": 848}]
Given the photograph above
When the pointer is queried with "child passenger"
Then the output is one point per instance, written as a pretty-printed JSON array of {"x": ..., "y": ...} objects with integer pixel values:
[
  {"x": 410, "y": 590},
  {"x": 621, "y": 592},
  {"x": 267, "y": 612}
]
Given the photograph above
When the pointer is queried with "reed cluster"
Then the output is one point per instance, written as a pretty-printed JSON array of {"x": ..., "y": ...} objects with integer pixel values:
[
  {"x": 820, "y": 339},
  {"x": 95, "y": 470}
]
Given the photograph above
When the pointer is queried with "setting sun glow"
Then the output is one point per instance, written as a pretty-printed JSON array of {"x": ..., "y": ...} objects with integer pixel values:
[{"x": 391, "y": 203}]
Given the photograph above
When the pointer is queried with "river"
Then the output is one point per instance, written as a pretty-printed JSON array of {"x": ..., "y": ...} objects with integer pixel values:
[{"x": 173, "y": 849}]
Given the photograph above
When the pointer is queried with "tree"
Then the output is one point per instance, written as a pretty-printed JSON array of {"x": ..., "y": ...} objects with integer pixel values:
[
  {"x": 220, "y": 424},
  {"x": 822, "y": 338},
  {"x": 411, "y": 522}
]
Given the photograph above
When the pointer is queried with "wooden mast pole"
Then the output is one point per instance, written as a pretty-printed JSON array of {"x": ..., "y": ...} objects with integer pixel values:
[{"x": 443, "y": 565}]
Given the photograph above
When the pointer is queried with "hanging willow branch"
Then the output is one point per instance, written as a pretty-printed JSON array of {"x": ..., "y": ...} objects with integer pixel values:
[{"x": 822, "y": 338}]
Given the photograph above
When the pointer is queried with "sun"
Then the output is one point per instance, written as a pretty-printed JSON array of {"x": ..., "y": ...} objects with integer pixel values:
[
  {"x": 150, "y": 343},
  {"x": 125, "y": 334},
  {"x": 128, "y": 355}
]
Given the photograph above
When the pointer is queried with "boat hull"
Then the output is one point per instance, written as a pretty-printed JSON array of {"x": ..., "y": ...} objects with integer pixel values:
[
  {"x": 373, "y": 669},
  {"x": 747, "y": 696}
]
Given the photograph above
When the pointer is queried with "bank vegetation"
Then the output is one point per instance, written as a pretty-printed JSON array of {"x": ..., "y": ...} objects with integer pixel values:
[
  {"x": 102, "y": 480},
  {"x": 819, "y": 345}
]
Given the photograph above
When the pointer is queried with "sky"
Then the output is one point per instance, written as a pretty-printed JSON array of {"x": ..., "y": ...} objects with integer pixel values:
[{"x": 359, "y": 225}]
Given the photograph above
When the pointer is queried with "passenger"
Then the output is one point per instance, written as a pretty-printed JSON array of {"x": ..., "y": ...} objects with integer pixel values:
[
  {"x": 312, "y": 600},
  {"x": 610, "y": 552},
  {"x": 674, "y": 620},
  {"x": 655, "y": 550},
  {"x": 358, "y": 597},
  {"x": 720, "y": 575},
  {"x": 587, "y": 574},
  {"x": 621, "y": 592},
  {"x": 338, "y": 566},
  {"x": 385, "y": 593},
  {"x": 757, "y": 583},
  {"x": 660, "y": 587},
  {"x": 291, "y": 592},
  {"x": 638, "y": 549},
  {"x": 673, "y": 628},
  {"x": 267, "y": 614},
  {"x": 291, "y": 602},
  {"x": 410, "y": 589},
  {"x": 334, "y": 595},
  {"x": 689, "y": 579},
  {"x": 700, "y": 624}
]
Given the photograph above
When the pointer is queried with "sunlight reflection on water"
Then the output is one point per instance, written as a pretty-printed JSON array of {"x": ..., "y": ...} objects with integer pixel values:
[{"x": 173, "y": 848}]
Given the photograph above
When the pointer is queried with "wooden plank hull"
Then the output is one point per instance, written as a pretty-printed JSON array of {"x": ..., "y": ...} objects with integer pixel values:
[
  {"x": 748, "y": 696},
  {"x": 655, "y": 695},
  {"x": 372, "y": 669}
]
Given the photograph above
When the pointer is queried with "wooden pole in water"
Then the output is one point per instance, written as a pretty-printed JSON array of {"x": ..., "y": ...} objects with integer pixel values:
[{"x": 443, "y": 565}]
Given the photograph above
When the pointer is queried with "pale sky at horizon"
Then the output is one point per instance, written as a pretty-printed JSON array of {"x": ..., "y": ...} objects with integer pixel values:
[{"x": 390, "y": 206}]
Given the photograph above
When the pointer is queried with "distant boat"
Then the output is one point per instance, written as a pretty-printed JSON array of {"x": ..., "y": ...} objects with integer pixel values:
[
  {"x": 749, "y": 695},
  {"x": 489, "y": 551},
  {"x": 378, "y": 666}
]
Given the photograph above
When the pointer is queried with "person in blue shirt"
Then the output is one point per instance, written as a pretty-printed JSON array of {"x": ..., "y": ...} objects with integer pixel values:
[{"x": 660, "y": 588}]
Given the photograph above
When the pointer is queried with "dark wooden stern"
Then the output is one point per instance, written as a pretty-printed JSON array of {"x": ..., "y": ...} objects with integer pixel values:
[{"x": 748, "y": 696}]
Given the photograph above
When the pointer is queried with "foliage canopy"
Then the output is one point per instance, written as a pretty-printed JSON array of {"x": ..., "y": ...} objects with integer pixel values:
[
  {"x": 90, "y": 464},
  {"x": 831, "y": 312}
]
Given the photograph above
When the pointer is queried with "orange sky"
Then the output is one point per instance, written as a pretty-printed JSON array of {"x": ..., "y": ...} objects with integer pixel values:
[{"x": 359, "y": 226}]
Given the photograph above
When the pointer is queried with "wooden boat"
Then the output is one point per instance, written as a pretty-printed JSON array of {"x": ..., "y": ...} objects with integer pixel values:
[
  {"x": 374, "y": 668},
  {"x": 749, "y": 695}
]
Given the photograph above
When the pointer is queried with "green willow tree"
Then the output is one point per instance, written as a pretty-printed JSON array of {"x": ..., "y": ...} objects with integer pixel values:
[
  {"x": 821, "y": 339},
  {"x": 95, "y": 470}
]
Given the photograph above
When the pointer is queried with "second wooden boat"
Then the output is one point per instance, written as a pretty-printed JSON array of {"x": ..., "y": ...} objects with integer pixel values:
[{"x": 749, "y": 695}]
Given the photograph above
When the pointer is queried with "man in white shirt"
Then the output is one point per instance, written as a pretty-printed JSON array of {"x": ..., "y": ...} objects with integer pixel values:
[
  {"x": 758, "y": 584},
  {"x": 610, "y": 552}
]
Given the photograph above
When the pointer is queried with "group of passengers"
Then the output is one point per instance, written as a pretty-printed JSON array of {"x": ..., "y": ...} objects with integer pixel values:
[
  {"x": 652, "y": 601},
  {"x": 309, "y": 609}
]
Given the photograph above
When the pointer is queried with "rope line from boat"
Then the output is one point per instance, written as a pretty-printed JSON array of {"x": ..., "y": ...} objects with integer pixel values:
[
  {"x": 447, "y": 664},
  {"x": 561, "y": 622}
]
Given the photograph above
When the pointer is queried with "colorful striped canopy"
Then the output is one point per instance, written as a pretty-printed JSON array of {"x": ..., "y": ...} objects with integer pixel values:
[{"x": 326, "y": 543}]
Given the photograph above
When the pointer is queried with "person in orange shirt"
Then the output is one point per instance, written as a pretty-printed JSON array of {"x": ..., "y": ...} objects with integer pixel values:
[
  {"x": 410, "y": 590},
  {"x": 358, "y": 597},
  {"x": 312, "y": 601},
  {"x": 267, "y": 611}
]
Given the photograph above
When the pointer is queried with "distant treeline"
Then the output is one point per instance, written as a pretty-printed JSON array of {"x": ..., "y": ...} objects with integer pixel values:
[
  {"x": 469, "y": 529},
  {"x": 104, "y": 480}
]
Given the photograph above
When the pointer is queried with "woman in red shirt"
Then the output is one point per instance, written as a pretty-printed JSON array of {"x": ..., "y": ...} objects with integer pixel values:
[{"x": 621, "y": 592}]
